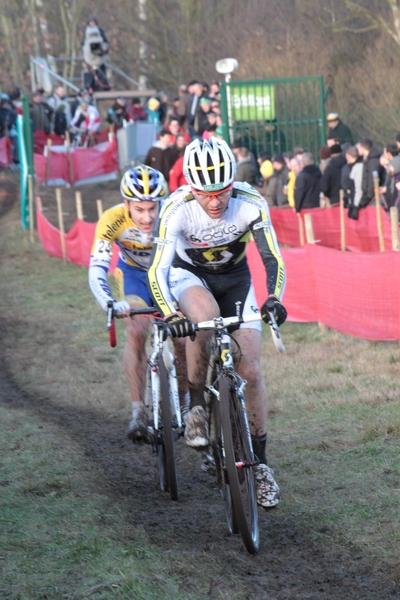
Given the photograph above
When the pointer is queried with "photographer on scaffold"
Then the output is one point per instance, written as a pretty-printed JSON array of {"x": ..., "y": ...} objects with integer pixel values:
[{"x": 95, "y": 48}]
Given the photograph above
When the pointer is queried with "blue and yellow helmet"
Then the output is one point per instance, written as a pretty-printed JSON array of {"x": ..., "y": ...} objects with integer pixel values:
[{"x": 143, "y": 183}]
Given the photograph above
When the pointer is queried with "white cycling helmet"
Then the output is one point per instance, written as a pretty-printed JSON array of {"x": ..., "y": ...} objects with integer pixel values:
[
  {"x": 143, "y": 183},
  {"x": 209, "y": 166}
]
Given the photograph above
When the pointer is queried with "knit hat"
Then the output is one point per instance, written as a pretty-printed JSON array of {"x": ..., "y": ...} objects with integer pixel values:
[
  {"x": 153, "y": 104},
  {"x": 204, "y": 100},
  {"x": 336, "y": 149},
  {"x": 333, "y": 116},
  {"x": 219, "y": 131}
]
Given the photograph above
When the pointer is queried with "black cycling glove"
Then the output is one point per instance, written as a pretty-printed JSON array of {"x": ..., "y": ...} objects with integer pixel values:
[
  {"x": 179, "y": 326},
  {"x": 273, "y": 305}
]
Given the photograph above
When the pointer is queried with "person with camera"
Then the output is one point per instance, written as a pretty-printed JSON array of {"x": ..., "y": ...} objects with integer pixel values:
[{"x": 95, "y": 48}]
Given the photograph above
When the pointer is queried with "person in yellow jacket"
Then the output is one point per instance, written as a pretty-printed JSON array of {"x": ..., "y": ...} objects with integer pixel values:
[{"x": 294, "y": 168}]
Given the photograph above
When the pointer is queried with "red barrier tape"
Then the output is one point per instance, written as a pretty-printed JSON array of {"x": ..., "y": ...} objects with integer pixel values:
[
  {"x": 85, "y": 163},
  {"x": 361, "y": 235},
  {"x": 40, "y": 139},
  {"x": 346, "y": 291},
  {"x": 5, "y": 151}
]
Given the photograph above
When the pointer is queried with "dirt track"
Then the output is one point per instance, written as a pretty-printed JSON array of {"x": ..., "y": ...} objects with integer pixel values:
[{"x": 290, "y": 565}]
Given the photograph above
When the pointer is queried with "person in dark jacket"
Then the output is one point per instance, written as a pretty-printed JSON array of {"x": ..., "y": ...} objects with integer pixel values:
[
  {"x": 276, "y": 184},
  {"x": 338, "y": 129},
  {"x": 40, "y": 113},
  {"x": 157, "y": 156},
  {"x": 390, "y": 160},
  {"x": 307, "y": 186},
  {"x": 351, "y": 181},
  {"x": 245, "y": 169},
  {"x": 371, "y": 162},
  {"x": 330, "y": 180}
]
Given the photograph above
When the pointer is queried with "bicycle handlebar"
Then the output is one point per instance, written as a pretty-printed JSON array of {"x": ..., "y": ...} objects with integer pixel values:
[
  {"x": 145, "y": 310},
  {"x": 219, "y": 323}
]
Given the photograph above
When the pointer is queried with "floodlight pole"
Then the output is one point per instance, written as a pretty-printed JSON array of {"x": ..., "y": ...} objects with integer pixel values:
[{"x": 228, "y": 77}]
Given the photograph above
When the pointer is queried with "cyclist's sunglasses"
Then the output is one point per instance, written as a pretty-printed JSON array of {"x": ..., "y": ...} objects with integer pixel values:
[{"x": 219, "y": 193}]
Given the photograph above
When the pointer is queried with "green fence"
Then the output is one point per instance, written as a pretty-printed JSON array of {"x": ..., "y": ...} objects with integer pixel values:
[{"x": 275, "y": 114}]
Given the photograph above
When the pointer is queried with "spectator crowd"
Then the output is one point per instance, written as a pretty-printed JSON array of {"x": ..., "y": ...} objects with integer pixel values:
[{"x": 286, "y": 178}]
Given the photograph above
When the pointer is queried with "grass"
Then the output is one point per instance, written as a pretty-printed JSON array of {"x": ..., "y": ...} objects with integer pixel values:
[
  {"x": 60, "y": 538},
  {"x": 334, "y": 440},
  {"x": 335, "y": 428}
]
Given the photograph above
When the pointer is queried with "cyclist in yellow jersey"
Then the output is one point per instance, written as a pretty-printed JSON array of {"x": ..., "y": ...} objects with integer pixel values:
[
  {"x": 199, "y": 261},
  {"x": 131, "y": 225}
]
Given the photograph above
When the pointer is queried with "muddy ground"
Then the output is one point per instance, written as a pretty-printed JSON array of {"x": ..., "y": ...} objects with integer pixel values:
[{"x": 290, "y": 564}]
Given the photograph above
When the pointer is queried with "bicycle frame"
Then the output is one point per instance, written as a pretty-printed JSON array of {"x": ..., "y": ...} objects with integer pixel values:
[{"x": 161, "y": 346}]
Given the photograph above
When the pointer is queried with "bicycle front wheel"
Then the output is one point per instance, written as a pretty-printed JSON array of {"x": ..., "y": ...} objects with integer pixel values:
[
  {"x": 239, "y": 461},
  {"x": 217, "y": 446},
  {"x": 166, "y": 458}
]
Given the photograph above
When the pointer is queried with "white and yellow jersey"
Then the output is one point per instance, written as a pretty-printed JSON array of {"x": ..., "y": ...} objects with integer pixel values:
[{"x": 189, "y": 238}]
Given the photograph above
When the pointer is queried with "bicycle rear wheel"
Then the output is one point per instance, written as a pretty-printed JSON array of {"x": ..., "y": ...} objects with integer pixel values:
[
  {"x": 239, "y": 460},
  {"x": 166, "y": 454}
]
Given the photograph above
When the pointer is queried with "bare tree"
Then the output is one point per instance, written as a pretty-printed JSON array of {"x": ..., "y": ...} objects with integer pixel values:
[{"x": 71, "y": 12}]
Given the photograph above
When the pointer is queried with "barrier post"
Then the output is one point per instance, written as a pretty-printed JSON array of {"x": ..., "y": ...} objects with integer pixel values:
[
  {"x": 301, "y": 230},
  {"x": 78, "y": 201},
  {"x": 378, "y": 212},
  {"x": 99, "y": 208},
  {"x": 48, "y": 158},
  {"x": 309, "y": 229},
  {"x": 39, "y": 203},
  {"x": 394, "y": 220},
  {"x": 31, "y": 216},
  {"x": 342, "y": 224},
  {"x": 61, "y": 224}
]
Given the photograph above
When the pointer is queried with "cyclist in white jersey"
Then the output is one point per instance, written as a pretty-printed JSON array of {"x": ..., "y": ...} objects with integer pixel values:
[{"x": 199, "y": 261}]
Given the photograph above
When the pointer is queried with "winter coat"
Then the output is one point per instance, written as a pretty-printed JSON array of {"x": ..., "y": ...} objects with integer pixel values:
[
  {"x": 307, "y": 188},
  {"x": 176, "y": 176},
  {"x": 94, "y": 46},
  {"x": 157, "y": 158},
  {"x": 330, "y": 180},
  {"x": 371, "y": 164},
  {"x": 274, "y": 191},
  {"x": 342, "y": 132},
  {"x": 246, "y": 171}
]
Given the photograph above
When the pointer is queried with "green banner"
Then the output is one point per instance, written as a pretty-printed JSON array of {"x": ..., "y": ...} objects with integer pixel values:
[{"x": 252, "y": 103}]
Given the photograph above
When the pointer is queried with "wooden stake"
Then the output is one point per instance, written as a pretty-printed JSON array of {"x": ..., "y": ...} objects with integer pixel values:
[
  {"x": 394, "y": 220},
  {"x": 99, "y": 208},
  {"x": 309, "y": 229},
  {"x": 39, "y": 203},
  {"x": 78, "y": 201},
  {"x": 61, "y": 225},
  {"x": 48, "y": 159},
  {"x": 301, "y": 229},
  {"x": 31, "y": 204},
  {"x": 378, "y": 212},
  {"x": 342, "y": 223}
]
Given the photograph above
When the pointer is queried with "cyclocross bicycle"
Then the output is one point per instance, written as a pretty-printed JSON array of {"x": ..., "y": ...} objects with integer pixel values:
[
  {"x": 161, "y": 396},
  {"x": 230, "y": 440}
]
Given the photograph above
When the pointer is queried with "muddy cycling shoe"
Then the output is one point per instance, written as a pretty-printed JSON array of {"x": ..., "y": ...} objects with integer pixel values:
[
  {"x": 268, "y": 492},
  {"x": 208, "y": 463},
  {"x": 139, "y": 430},
  {"x": 196, "y": 428}
]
